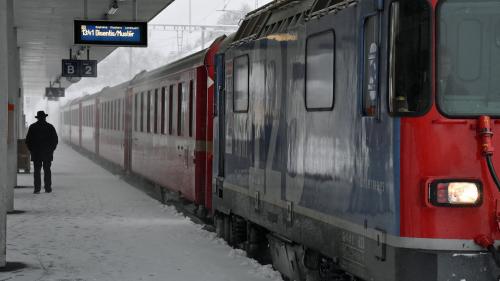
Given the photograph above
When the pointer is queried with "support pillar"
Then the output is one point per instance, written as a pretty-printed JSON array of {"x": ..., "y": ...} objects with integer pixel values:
[
  {"x": 6, "y": 14},
  {"x": 13, "y": 108}
]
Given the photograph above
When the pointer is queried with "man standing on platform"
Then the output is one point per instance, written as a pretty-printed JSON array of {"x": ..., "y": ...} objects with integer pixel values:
[{"x": 42, "y": 141}]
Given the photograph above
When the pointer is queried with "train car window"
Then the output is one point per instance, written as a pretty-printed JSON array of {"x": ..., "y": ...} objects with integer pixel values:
[
  {"x": 320, "y": 71},
  {"x": 370, "y": 67},
  {"x": 104, "y": 106},
  {"x": 100, "y": 115},
  {"x": 191, "y": 110},
  {"x": 136, "y": 106},
  {"x": 241, "y": 84},
  {"x": 155, "y": 119},
  {"x": 180, "y": 119},
  {"x": 104, "y": 112},
  {"x": 162, "y": 108},
  {"x": 467, "y": 58},
  {"x": 171, "y": 110},
  {"x": 109, "y": 125},
  {"x": 110, "y": 115},
  {"x": 148, "y": 113},
  {"x": 142, "y": 112},
  {"x": 119, "y": 115},
  {"x": 410, "y": 58},
  {"x": 124, "y": 107},
  {"x": 115, "y": 114}
]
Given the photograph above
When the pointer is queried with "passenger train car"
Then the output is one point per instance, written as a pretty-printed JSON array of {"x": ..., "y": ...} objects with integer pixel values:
[
  {"x": 155, "y": 125},
  {"x": 350, "y": 139}
]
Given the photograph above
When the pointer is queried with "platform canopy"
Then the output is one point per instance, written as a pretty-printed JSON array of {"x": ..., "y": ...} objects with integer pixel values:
[{"x": 45, "y": 33}]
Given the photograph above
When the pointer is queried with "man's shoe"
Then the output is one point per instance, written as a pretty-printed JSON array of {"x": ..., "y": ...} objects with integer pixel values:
[
  {"x": 48, "y": 190},
  {"x": 36, "y": 192}
]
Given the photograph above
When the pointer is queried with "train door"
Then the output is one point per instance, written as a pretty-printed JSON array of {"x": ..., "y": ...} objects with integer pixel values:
[
  {"x": 219, "y": 125},
  {"x": 127, "y": 115},
  {"x": 373, "y": 140}
]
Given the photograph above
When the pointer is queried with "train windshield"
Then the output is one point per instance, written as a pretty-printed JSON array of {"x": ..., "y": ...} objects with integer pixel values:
[{"x": 469, "y": 57}]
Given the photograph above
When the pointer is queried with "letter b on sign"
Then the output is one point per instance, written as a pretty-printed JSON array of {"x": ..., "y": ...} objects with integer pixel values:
[{"x": 70, "y": 68}]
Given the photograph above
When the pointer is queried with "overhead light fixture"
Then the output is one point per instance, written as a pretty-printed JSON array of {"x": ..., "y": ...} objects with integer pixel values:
[{"x": 113, "y": 8}]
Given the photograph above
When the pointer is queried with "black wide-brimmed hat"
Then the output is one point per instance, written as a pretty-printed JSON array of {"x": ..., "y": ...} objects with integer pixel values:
[{"x": 41, "y": 114}]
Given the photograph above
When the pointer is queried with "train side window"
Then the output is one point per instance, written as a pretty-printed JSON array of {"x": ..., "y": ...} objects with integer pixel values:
[
  {"x": 142, "y": 112},
  {"x": 113, "y": 112},
  {"x": 104, "y": 115},
  {"x": 171, "y": 110},
  {"x": 410, "y": 58},
  {"x": 136, "y": 106},
  {"x": 113, "y": 115},
  {"x": 106, "y": 120},
  {"x": 148, "y": 113},
  {"x": 100, "y": 115},
  {"x": 115, "y": 109},
  {"x": 241, "y": 84},
  {"x": 191, "y": 109},
  {"x": 119, "y": 114},
  {"x": 155, "y": 120},
  {"x": 110, "y": 116},
  {"x": 320, "y": 71},
  {"x": 162, "y": 114},
  {"x": 370, "y": 62},
  {"x": 180, "y": 119}
]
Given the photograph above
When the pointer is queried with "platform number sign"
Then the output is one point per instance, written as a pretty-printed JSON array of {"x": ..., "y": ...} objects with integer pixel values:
[
  {"x": 88, "y": 68},
  {"x": 53, "y": 93},
  {"x": 79, "y": 68}
]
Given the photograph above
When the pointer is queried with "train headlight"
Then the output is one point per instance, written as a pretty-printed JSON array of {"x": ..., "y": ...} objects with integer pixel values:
[{"x": 456, "y": 193}]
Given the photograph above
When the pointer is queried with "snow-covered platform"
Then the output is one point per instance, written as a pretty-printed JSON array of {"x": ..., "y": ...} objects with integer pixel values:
[{"x": 94, "y": 226}]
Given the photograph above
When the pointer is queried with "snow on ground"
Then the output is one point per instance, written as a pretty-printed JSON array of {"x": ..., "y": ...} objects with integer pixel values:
[{"x": 95, "y": 226}]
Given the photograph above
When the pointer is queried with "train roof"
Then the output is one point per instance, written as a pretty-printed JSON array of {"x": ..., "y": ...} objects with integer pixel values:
[
  {"x": 194, "y": 60},
  {"x": 280, "y": 15}
]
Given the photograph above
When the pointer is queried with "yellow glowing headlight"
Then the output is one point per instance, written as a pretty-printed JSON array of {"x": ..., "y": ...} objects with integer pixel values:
[
  {"x": 455, "y": 193},
  {"x": 463, "y": 193}
]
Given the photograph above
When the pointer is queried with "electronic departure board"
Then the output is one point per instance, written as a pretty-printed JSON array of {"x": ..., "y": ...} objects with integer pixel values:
[{"x": 111, "y": 33}]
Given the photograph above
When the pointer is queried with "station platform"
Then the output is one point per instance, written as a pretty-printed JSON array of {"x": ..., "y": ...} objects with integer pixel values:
[{"x": 95, "y": 226}]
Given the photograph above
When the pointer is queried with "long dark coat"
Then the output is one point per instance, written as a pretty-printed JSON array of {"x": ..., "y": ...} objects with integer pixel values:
[{"x": 41, "y": 141}]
